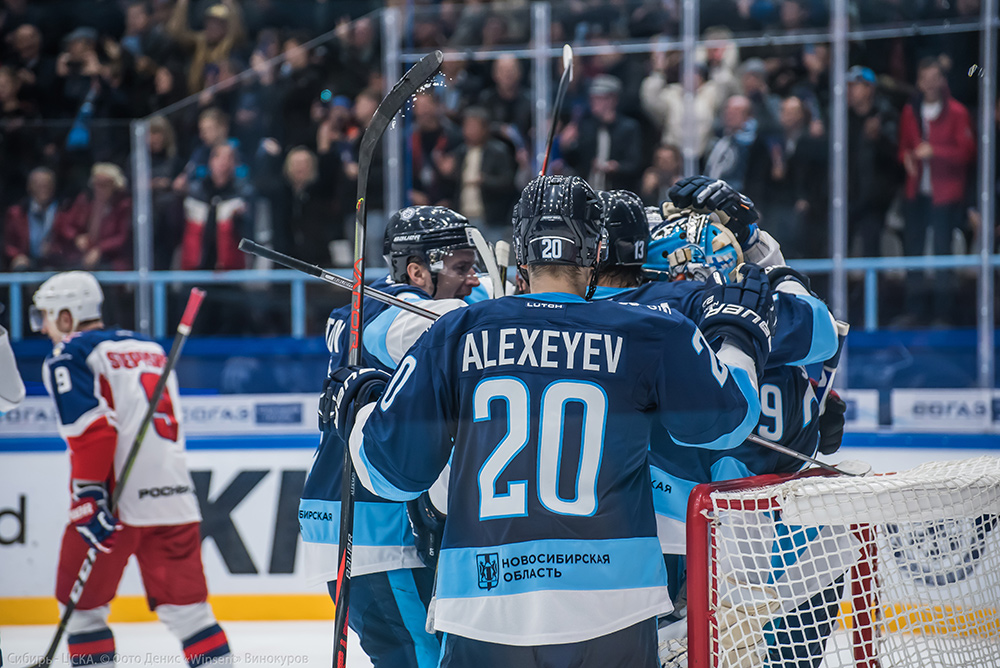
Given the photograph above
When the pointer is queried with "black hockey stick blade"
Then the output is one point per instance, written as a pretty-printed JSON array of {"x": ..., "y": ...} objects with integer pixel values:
[
  {"x": 411, "y": 82},
  {"x": 254, "y": 248},
  {"x": 564, "y": 81},
  {"x": 183, "y": 330},
  {"x": 777, "y": 447}
]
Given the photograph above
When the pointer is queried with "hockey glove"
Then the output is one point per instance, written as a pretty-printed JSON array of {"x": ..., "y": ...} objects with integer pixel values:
[
  {"x": 779, "y": 273},
  {"x": 704, "y": 194},
  {"x": 427, "y": 525},
  {"x": 831, "y": 423},
  {"x": 351, "y": 387},
  {"x": 91, "y": 516},
  {"x": 741, "y": 311}
]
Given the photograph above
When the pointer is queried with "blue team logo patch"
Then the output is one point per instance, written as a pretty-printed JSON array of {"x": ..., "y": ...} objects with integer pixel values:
[
  {"x": 278, "y": 413},
  {"x": 488, "y": 566}
]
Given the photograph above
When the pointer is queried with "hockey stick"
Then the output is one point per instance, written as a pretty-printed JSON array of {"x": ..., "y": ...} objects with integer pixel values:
[
  {"x": 253, "y": 248},
  {"x": 503, "y": 260},
  {"x": 830, "y": 366},
  {"x": 411, "y": 82},
  {"x": 183, "y": 330},
  {"x": 486, "y": 252},
  {"x": 564, "y": 80},
  {"x": 777, "y": 447}
]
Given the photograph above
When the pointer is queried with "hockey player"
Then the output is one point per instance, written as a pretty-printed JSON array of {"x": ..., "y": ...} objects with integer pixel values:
[
  {"x": 431, "y": 264},
  {"x": 101, "y": 381},
  {"x": 11, "y": 385},
  {"x": 542, "y": 405}
]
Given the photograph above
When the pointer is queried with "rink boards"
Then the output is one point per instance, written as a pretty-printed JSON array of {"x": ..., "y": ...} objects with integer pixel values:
[{"x": 249, "y": 455}]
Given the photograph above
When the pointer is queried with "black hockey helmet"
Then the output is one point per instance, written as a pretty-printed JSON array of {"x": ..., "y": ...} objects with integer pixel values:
[
  {"x": 427, "y": 232},
  {"x": 628, "y": 231},
  {"x": 557, "y": 220}
]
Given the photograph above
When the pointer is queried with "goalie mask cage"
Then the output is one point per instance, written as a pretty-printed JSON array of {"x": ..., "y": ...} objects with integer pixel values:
[{"x": 812, "y": 569}]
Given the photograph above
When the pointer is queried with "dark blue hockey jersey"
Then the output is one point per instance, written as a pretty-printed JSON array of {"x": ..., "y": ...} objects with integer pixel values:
[
  {"x": 382, "y": 537},
  {"x": 804, "y": 334},
  {"x": 543, "y": 405}
]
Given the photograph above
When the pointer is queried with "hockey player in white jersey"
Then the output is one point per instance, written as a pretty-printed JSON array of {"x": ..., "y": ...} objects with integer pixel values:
[
  {"x": 101, "y": 381},
  {"x": 11, "y": 385}
]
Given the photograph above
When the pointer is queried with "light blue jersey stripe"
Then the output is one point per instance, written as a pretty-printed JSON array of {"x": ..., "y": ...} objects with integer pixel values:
[
  {"x": 544, "y": 565},
  {"x": 738, "y": 435},
  {"x": 380, "y": 485},
  {"x": 375, "y": 335},
  {"x": 414, "y": 614},
  {"x": 672, "y": 503},
  {"x": 375, "y": 524},
  {"x": 824, "y": 333}
]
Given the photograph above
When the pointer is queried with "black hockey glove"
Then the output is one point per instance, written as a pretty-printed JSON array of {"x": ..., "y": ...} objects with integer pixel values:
[
  {"x": 831, "y": 423},
  {"x": 345, "y": 387},
  {"x": 742, "y": 311},
  {"x": 705, "y": 194},
  {"x": 427, "y": 525}
]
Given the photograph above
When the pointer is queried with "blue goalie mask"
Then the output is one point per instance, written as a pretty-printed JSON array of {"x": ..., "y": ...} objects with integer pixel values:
[{"x": 691, "y": 245}]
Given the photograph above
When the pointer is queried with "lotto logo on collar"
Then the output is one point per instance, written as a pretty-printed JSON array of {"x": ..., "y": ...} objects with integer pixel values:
[{"x": 488, "y": 566}]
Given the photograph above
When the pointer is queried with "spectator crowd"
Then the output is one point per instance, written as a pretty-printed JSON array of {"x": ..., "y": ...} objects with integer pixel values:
[{"x": 266, "y": 141}]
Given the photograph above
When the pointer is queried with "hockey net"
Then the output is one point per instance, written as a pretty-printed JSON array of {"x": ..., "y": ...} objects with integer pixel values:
[{"x": 881, "y": 571}]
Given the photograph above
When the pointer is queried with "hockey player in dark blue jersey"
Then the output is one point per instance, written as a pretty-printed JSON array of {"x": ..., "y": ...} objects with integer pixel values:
[
  {"x": 432, "y": 264},
  {"x": 542, "y": 404},
  {"x": 691, "y": 245}
]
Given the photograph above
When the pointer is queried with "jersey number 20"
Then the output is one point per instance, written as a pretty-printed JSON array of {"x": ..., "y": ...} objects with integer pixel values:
[
  {"x": 555, "y": 398},
  {"x": 163, "y": 418}
]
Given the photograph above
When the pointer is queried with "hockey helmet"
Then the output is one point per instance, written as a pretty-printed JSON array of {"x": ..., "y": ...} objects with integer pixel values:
[
  {"x": 75, "y": 291},
  {"x": 691, "y": 245},
  {"x": 627, "y": 230},
  {"x": 557, "y": 220},
  {"x": 427, "y": 232}
]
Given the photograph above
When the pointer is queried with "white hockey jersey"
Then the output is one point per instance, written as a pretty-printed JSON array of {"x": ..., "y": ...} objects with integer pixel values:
[{"x": 102, "y": 381}]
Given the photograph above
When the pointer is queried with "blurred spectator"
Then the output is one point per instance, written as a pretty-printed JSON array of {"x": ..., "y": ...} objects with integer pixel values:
[
  {"x": 19, "y": 143},
  {"x": 765, "y": 105},
  {"x": 484, "y": 170},
  {"x": 164, "y": 168},
  {"x": 664, "y": 103},
  {"x": 298, "y": 87},
  {"x": 303, "y": 208},
  {"x": 218, "y": 212},
  {"x": 213, "y": 130},
  {"x": 433, "y": 139},
  {"x": 36, "y": 72},
  {"x": 506, "y": 103},
  {"x": 872, "y": 167},
  {"x": 148, "y": 45},
  {"x": 461, "y": 85},
  {"x": 95, "y": 232},
  {"x": 666, "y": 170},
  {"x": 722, "y": 60},
  {"x": 357, "y": 49},
  {"x": 29, "y": 223},
  {"x": 604, "y": 147},
  {"x": 78, "y": 66},
  {"x": 787, "y": 179},
  {"x": 222, "y": 33},
  {"x": 729, "y": 155},
  {"x": 364, "y": 108},
  {"x": 936, "y": 147}
]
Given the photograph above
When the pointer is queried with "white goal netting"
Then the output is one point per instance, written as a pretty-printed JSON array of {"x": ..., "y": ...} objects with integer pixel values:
[{"x": 895, "y": 570}]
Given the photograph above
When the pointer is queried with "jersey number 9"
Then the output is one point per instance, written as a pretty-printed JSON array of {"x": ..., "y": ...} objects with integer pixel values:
[{"x": 163, "y": 418}]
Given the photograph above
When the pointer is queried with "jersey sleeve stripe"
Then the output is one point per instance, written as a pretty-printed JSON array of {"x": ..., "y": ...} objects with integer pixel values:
[
  {"x": 824, "y": 333},
  {"x": 368, "y": 475}
]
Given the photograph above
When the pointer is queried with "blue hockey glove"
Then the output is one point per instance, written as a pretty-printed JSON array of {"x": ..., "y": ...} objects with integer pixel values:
[
  {"x": 347, "y": 387},
  {"x": 91, "y": 516},
  {"x": 705, "y": 194},
  {"x": 427, "y": 524},
  {"x": 742, "y": 311}
]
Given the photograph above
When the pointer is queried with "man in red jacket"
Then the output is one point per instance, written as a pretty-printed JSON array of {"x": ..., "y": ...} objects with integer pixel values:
[{"x": 936, "y": 147}]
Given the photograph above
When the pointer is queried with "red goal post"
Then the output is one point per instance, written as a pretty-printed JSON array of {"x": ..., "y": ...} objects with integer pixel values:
[{"x": 887, "y": 570}]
